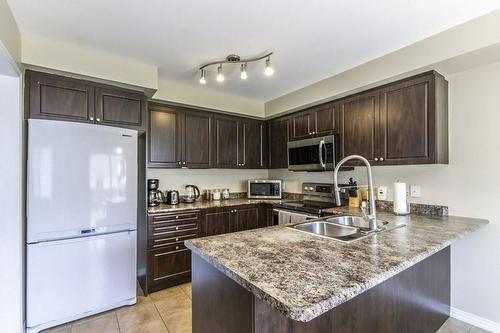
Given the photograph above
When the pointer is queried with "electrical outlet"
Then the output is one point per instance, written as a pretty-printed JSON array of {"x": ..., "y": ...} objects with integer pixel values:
[
  {"x": 415, "y": 191},
  {"x": 382, "y": 193}
]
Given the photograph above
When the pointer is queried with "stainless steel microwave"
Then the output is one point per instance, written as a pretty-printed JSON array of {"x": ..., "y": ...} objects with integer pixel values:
[
  {"x": 264, "y": 189},
  {"x": 315, "y": 154}
]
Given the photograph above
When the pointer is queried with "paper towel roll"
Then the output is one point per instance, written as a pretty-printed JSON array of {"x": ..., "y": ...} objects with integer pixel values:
[{"x": 400, "y": 199}]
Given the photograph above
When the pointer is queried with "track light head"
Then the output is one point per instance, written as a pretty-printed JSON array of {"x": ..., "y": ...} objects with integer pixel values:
[
  {"x": 244, "y": 74},
  {"x": 203, "y": 80},
  {"x": 220, "y": 75},
  {"x": 269, "y": 70}
]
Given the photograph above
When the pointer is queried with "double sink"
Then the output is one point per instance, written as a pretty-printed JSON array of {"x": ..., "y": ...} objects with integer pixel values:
[{"x": 344, "y": 228}]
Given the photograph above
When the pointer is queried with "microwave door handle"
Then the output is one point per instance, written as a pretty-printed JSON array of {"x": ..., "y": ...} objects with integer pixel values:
[{"x": 320, "y": 150}]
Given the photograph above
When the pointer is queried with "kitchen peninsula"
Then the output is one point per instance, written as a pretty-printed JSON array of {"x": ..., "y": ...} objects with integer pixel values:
[{"x": 278, "y": 279}]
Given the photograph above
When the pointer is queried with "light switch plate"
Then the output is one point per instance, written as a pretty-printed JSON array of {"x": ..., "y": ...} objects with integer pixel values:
[{"x": 415, "y": 191}]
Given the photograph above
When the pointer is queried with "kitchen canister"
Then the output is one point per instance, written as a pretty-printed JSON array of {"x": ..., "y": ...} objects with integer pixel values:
[
  {"x": 225, "y": 194},
  {"x": 216, "y": 194},
  {"x": 401, "y": 203}
]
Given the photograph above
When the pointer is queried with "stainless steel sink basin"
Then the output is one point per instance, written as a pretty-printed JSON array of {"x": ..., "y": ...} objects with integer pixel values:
[
  {"x": 343, "y": 228},
  {"x": 327, "y": 229}
]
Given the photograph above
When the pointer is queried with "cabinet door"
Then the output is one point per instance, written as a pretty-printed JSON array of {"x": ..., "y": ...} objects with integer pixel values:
[
  {"x": 407, "y": 122},
  {"x": 359, "y": 126},
  {"x": 120, "y": 108},
  {"x": 266, "y": 216},
  {"x": 252, "y": 144},
  {"x": 217, "y": 222},
  {"x": 325, "y": 119},
  {"x": 246, "y": 218},
  {"x": 169, "y": 264},
  {"x": 197, "y": 139},
  {"x": 57, "y": 97},
  {"x": 164, "y": 137},
  {"x": 226, "y": 142},
  {"x": 278, "y": 136},
  {"x": 302, "y": 125}
]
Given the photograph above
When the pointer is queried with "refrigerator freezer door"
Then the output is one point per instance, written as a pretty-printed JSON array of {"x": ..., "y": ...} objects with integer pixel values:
[
  {"x": 82, "y": 179},
  {"x": 69, "y": 279}
]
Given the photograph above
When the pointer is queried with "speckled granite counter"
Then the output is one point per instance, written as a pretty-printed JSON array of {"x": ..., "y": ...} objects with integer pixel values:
[
  {"x": 304, "y": 276},
  {"x": 208, "y": 204}
]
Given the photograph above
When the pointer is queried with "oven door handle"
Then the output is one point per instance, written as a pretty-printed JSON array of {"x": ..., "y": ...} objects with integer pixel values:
[{"x": 320, "y": 151}]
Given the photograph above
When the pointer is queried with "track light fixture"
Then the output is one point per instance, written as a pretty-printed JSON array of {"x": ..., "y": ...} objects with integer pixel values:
[{"x": 235, "y": 59}]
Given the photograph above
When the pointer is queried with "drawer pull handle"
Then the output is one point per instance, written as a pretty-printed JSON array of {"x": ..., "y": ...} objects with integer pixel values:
[
  {"x": 177, "y": 228},
  {"x": 177, "y": 247}
]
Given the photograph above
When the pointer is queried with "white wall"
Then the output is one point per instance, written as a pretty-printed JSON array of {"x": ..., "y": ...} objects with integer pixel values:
[
  {"x": 11, "y": 235},
  {"x": 469, "y": 185},
  {"x": 234, "y": 180},
  {"x": 479, "y": 33},
  {"x": 10, "y": 40},
  {"x": 204, "y": 97},
  {"x": 73, "y": 58}
]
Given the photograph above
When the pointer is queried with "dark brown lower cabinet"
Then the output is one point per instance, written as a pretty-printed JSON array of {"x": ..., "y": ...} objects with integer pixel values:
[
  {"x": 216, "y": 221},
  {"x": 246, "y": 218},
  {"x": 169, "y": 266},
  {"x": 169, "y": 261}
]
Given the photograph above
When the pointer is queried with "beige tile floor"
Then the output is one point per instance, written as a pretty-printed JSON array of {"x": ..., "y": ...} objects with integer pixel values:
[
  {"x": 169, "y": 311},
  {"x": 166, "y": 311}
]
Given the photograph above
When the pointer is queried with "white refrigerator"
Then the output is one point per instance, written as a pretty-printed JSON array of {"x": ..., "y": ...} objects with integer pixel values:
[{"x": 81, "y": 221}]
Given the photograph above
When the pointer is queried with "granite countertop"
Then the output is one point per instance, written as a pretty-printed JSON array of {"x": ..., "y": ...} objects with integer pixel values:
[
  {"x": 303, "y": 275},
  {"x": 164, "y": 208}
]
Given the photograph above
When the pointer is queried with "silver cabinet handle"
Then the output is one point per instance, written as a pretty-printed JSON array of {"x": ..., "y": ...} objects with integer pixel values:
[
  {"x": 176, "y": 228},
  {"x": 179, "y": 162},
  {"x": 98, "y": 119},
  {"x": 91, "y": 118},
  {"x": 381, "y": 159},
  {"x": 176, "y": 216},
  {"x": 177, "y": 247},
  {"x": 376, "y": 159},
  {"x": 310, "y": 133}
]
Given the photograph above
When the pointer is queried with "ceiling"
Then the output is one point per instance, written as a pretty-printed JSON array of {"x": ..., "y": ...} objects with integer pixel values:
[{"x": 312, "y": 39}]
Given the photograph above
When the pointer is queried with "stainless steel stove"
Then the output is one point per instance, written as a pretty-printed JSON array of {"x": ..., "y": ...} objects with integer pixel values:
[{"x": 317, "y": 198}]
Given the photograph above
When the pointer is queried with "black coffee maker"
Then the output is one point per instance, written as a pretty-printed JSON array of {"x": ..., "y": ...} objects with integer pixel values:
[{"x": 155, "y": 197}]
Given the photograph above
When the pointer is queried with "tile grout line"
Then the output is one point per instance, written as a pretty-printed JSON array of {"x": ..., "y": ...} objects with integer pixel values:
[
  {"x": 161, "y": 317},
  {"x": 116, "y": 316}
]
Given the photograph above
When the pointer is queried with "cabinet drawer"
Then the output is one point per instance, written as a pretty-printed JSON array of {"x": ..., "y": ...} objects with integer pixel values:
[
  {"x": 173, "y": 229},
  {"x": 181, "y": 217},
  {"x": 168, "y": 265},
  {"x": 170, "y": 240}
]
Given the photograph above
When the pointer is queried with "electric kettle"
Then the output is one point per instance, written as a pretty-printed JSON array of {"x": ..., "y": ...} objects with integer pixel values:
[{"x": 192, "y": 193}]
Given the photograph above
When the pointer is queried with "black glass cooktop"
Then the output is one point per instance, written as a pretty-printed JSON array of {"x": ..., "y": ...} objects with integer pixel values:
[{"x": 307, "y": 206}]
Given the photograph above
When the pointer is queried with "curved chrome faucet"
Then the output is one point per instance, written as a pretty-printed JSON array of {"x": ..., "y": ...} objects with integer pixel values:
[{"x": 372, "y": 218}]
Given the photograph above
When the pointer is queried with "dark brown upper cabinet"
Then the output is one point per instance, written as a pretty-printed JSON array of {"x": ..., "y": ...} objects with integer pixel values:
[
  {"x": 359, "y": 120},
  {"x": 278, "y": 136},
  {"x": 316, "y": 121},
  {"x": 405, "y": 122},
  {"x": 301, "y": 125},
  {"x": 164, "y": 137},
  {"x": 121, "y": 108},
  {"x": 179, "y": 137},
  {"x": 57, "y": 97},
  {"x": 197, "y": 139},
  {"x": 414, "y": 121},
  {"x": 325, "y": 119},
  {"x": 226, "y": 142},
  {"x": 239, "y": 143},
  {"x": 252, "y": 152}
]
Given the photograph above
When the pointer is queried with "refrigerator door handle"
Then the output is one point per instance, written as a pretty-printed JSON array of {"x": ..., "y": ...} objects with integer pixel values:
[{"x": 81, "y": 238}]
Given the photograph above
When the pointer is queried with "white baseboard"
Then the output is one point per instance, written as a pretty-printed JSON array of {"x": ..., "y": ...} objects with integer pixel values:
[{"x": 477, "y": 321}]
